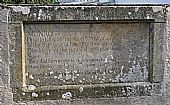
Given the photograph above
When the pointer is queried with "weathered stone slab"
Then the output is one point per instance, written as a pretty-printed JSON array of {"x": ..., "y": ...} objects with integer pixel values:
[
  {"x": 58, "y": 54},
  {"x": 112, "y": 12},
  {"x": 86, "y": 52}
]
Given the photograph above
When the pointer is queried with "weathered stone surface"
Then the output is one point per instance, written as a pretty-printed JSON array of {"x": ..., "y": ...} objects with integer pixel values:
[
  {"x": 150, "y": 91},
  {"x": 167, "y": 73},
  {"x": 126, "y": 42},
  {"x": 96, "y": 53},
  {"x": 5, "y": 90},
  {"x": 46, "y": 13}
]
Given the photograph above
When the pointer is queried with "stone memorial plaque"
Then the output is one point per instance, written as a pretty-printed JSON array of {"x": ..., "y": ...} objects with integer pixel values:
[
  {"x": 78, "y": 54},
  {"x": 86, "y": 53}
]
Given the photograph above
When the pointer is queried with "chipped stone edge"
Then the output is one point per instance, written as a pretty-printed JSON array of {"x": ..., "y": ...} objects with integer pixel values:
[{"x": 24, "y": 9}]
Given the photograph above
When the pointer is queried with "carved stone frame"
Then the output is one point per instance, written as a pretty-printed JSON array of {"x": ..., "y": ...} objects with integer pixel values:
[{"x": 19, "y": 15}]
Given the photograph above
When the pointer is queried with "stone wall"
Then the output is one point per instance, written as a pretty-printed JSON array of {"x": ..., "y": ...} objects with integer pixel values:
[
  {"x": 11, "y": 31},
  {"x": 167, "y": 65},
  {"x": 6, "y": 92}
]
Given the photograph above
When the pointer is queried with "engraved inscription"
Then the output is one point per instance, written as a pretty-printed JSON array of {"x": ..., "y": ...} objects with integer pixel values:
[{"x": 58, "y": 54}]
